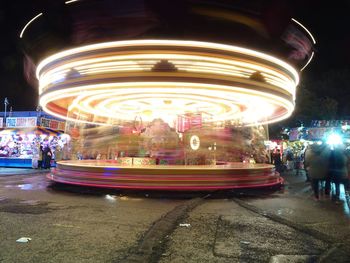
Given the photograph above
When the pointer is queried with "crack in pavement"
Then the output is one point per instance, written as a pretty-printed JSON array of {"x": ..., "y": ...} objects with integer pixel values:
[{"x": 153, "y": 243}]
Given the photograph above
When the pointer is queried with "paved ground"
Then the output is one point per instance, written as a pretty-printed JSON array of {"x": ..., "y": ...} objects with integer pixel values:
[
  {"x": 4, "y": 171},
  {"x": 74, "y": 224}
]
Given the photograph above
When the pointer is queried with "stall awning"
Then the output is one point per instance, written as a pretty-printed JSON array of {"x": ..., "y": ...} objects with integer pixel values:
[{"x": 35, "y": 130}]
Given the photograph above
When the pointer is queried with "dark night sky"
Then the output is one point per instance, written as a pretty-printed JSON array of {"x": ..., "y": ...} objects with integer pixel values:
[
  {"x": 329, "y": 23},
  {"x": 330, "y": 26}
]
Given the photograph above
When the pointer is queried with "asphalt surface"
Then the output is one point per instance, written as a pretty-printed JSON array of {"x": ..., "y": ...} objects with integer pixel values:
[{"x": 79, "y": 224}]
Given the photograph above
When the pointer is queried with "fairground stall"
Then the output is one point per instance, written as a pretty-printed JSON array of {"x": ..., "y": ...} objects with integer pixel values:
[
  {"x": 22, "y": 134},
  {"x": 320, "y": 131},
  {"x": 166, "y": 103}
]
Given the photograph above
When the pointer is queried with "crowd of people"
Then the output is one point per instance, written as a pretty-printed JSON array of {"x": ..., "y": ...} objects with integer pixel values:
[
  {"x": 47, "y": 150},
  {"x": 43, "y": 158},
  {"x": 40, "y": 148},
  {"x": 289, "y": 160},
  {"x": 325, "y": 165}
]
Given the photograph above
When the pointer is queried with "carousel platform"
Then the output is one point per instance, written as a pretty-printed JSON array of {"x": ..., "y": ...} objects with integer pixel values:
[{"x": 112, "y": 174}]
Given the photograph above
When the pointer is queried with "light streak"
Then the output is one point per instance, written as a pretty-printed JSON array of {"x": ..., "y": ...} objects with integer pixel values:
[
  {"x": 71, "y": 1},
  {"x": 300, "y": 24},
  {"x": 308, "y": 62},
  {"x": 113, "y": 84},
  {"x": 193, "y": 91},
  {"x": 169, "y": 43},
  {"x": 30, "y": 21}
]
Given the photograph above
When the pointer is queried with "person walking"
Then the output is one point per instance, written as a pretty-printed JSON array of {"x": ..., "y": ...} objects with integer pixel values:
[
  {"x": 40, "y": 156},
  {"x": 277, "y": 161},
  {"x": 338, "y": 171},
  {"x": 47, "y": 155},
  {"x": 316, "y": 164},
  {"x": 299, "y": 163}
]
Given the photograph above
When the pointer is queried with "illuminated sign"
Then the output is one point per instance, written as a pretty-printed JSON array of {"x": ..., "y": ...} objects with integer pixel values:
[
  {"x": 53, "y": 124},
  {"x": 21, "y": 122},
  {"x": 188, "y": 121}
]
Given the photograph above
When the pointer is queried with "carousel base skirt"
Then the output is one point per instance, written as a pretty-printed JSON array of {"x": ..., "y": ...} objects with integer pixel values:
[{"x": 108, "y": 174}]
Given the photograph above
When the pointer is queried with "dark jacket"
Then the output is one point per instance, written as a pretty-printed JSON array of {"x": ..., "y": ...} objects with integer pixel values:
[
  {"x": 317, "y": 161},
  {"x": 338, "y": 164}
]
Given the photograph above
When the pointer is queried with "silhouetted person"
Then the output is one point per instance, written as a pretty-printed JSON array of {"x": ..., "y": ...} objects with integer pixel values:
[
  {"x": 338, "y": 170},
  {"x": 277, "y": 160},
  {"x": 40, "y": 157},
  {"x": 47, "y": 155},
  {"x": 316, "y": 163}
]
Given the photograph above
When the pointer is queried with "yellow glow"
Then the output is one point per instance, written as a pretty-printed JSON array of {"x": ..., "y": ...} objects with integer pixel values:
[
  {"x": 238, "y": 67},
  {"x": 169, "y": 43},
  {"x": 30, "y": 21},
  {"x": 238, "y": 95},
  {"x": 219, "y": 84}
]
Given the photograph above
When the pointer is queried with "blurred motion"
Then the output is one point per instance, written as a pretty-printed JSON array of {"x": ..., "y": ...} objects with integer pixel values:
[
  {"x": 161, "y": 144},
  {"x": 263, "y": 25},
  {"x": 161, "y": 94}
]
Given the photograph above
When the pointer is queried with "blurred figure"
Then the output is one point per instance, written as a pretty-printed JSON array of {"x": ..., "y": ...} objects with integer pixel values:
[
  {"x": 347, "y": 180},
  {"x": 47, "y": 155},
  {"x": 58, "y": 154},
  {"x": 299, "y": 163},
  {"x": 338, "y": 171},
  {"x": 276, "y": 159},
  {"x": 290, "y": 160},
  {"x": 40, "y": 156},
  {"x": 316, "y": 164}
]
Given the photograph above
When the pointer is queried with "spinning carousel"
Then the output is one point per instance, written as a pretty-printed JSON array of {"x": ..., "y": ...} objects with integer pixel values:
[{"x": 201, "y": 91}]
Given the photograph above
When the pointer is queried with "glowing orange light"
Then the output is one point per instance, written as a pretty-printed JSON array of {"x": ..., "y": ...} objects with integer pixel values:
[{"x": 109, "y": 82}]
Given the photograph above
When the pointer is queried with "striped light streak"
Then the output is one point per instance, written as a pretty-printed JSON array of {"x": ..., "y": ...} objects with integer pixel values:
[
  {"x": 105, "y": 82},
  {"x": 168, "y": 43},
  {"x": 237, "y": 96}
]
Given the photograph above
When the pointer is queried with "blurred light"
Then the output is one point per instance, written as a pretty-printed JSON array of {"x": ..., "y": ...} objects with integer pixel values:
[
  {"x": 300, "y": 24},
  {"x": 24, "y": 28},
  {"x": 307, "y": 63},
  {"x": 71, "y": 1},
  {"x": 25, "y": 186},
  {"x": 31, "y": 136},
  {"x": 110, "y": 198},
  {"x": 195, "y": 142},
  {"x": 99, "y": 93},
  {"x": 334, "y": 139}
]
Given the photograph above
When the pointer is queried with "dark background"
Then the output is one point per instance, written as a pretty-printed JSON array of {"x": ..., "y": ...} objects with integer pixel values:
[{"x": 327, "y": 77}]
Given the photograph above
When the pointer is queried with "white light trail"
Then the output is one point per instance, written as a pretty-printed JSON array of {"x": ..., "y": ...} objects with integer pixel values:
[
  {"x": 300, "y": 24},
  {"x": 25, "y": 27}
]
